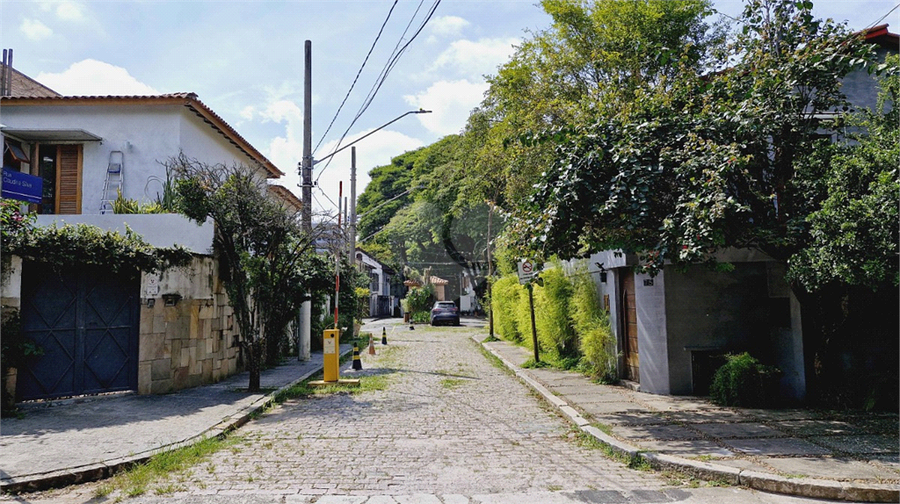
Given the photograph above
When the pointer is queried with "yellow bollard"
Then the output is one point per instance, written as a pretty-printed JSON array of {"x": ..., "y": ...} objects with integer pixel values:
[{"x": 330, "y": 345}]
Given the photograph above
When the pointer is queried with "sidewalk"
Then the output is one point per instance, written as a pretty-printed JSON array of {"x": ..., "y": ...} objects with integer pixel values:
[
  {"x": 830, "y": 455},
  {"x": 78, "y": 440}
]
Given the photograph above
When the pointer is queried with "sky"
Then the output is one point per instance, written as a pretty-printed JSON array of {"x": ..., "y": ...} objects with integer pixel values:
[{"x": 244, "y": 59}]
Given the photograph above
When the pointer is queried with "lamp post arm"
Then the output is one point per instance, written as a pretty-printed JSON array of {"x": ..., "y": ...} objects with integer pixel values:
[{"x": 385, "y": 125}]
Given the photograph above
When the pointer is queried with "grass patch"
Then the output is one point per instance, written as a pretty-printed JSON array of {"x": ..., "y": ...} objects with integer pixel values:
[
  {"x": 490, "y": 339},
  {"x": 143, "y": 478},
  {"x": 494, "y": 360},
  {"x": 451, "y": 383},
  {"x": 606, "y": 429},
  {"x": 304, "y": 389},
  {"x": 531, "y": 364},
  {"x": 632, "y": 461}
]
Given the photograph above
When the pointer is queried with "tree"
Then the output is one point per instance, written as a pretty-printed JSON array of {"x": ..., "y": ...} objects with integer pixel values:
[
  {"x": 595, "y": 60},
  {"x": 853, "y": 235},
  {"x": 268, "y": 264},
  {"x": 701, "y": 163}
]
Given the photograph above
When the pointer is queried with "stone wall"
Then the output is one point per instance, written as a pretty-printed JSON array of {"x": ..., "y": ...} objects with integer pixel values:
[{"x": 187, "y": 332}]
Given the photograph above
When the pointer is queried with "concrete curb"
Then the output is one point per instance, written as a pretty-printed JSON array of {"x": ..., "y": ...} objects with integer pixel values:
[
  {"x": 93, "y": 472},
  {"x": 767, "y": 482}
]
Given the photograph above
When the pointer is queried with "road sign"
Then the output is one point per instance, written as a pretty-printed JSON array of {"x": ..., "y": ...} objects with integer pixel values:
[
  {"x": 526, "y": 270},
  {"x": 21, "y": 186}
]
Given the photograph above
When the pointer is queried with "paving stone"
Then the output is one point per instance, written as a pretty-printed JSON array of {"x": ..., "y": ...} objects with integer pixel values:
[
  {"x": 859, "y": 444},
  {"x": 736, "y": 430},
  {"x": 816, "y": 427},
  {"x": 674, "y": 403},
  {"x": 829, "y": 468},
  {"x": 775, "y": 447},
  {"x": 711, "y": 415},
  {"x": 693, "y": 449},
  {"x": 626, "y": 418},
  {"x": 663, "y": 432},
  {"x": 765, "y": 415},
  {"x": 619, "y": 408}
]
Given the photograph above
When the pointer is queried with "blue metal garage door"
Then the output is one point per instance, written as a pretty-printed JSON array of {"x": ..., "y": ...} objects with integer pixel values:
[{"x": 86, "y": 321}]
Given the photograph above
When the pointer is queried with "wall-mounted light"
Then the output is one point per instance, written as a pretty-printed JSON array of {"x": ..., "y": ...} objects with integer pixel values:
[
  {"x": 602, "y": 272},
  {"x": 171, "y": 299}
]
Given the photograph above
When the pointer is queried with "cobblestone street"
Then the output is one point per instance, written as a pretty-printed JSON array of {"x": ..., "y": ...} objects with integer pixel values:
[
  {"x": 448, "y": 422},
  {"x": 442, "y": 424}
]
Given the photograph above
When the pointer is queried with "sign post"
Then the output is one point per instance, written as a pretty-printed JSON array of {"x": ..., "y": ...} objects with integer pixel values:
[{"x": 527, "y": 275}]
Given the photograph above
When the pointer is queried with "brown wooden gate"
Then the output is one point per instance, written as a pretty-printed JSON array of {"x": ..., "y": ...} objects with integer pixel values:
[{"x": 630, "y": 326}]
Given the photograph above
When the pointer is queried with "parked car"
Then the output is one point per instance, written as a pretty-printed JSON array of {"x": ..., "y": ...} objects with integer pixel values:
[{"x": 444, "y": 312}]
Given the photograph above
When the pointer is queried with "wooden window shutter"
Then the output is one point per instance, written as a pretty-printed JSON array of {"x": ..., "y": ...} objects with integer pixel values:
[{"x": 69, "y": 180}]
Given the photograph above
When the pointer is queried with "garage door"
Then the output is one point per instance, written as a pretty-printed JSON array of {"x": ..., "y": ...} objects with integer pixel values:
[{"x": 86, "y": 321}]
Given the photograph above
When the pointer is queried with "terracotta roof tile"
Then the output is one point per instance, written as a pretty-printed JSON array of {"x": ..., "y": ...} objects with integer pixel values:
[{"x": 189, "y": 100}]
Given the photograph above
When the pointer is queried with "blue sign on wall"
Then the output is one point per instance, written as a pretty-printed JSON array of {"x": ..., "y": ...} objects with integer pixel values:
[{"x": 21, "y": 186}]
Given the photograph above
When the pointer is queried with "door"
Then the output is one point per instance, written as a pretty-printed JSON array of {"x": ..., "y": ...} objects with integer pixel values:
[
  {"x": 629, "y": 318},
  {"x": 60, "y": 167},
  {"x": 86, "y": 322}
]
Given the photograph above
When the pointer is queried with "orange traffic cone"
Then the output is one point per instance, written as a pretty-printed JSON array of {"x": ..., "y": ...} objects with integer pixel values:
[{"x": 371, "y": 344}]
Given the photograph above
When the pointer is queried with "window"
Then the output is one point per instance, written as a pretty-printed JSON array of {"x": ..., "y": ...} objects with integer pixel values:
[{"x": 14, "y": 155}]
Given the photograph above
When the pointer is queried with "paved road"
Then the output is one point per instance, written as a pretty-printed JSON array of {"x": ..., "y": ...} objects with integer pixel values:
[{"x": 450, "y": 427}]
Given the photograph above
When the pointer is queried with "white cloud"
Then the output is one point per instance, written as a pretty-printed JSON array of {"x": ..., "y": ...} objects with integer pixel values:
[
  {"x": 283, "y": 110},
  {"x": 70, "y": 11},
  {"x": 35, "y": 30},
  {"x": 450, "y": 103},
  {"x": 93, "y": 78},
  {"x": 473, "y": 60},
  {"x": 448, "y": 26},
  {"x": 247, "y": 112}
]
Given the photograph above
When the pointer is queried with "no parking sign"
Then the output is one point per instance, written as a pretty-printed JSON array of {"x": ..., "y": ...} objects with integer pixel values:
[{"x": 526, "y": 271}]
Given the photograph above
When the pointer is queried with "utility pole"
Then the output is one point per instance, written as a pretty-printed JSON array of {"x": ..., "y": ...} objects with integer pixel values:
[
  {"x": 306, "y": 184},
  {"x": 352, "y": 220}
]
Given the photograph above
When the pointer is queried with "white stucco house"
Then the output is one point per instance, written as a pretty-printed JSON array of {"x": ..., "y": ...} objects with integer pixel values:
[
  {"x": 153, "y": 334},
  {"x": 382, "y": 302}
]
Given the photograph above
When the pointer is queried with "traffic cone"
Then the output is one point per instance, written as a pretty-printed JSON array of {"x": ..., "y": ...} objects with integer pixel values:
[
  {"x": 357, "y": 364},
  {"x": 371, "y": 344},
  {"x": 383, "y": 336}
]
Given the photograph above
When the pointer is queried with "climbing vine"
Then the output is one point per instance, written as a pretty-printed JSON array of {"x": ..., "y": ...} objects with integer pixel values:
[{"x": 62, "y": 247}]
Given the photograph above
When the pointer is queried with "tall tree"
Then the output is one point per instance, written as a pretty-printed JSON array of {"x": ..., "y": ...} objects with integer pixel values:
[{"x": 268, "y": 264}]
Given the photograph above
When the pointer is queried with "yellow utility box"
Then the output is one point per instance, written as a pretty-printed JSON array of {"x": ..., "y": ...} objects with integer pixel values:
[{"x": 330, "y": 351}]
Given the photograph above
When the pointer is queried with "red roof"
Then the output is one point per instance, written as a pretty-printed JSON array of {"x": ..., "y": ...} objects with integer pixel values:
[{"x": 881, "y": 36}]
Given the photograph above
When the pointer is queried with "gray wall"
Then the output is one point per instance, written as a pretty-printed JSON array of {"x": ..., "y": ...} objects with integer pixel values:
[
  {"x": 711, "y": 311},
  {"x": 653, "y": 348}
]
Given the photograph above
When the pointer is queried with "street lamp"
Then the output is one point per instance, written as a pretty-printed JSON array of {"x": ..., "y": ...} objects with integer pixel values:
[
  {"x": 308, "y": 162},
  {"x": 385, "y": 125}
]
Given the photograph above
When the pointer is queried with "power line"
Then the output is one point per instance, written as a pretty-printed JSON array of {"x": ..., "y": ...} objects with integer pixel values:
[
  {"x": 882, "y": 17},
  {"x": 358, "y": 73},
  {"x": 392, "y": 61}
]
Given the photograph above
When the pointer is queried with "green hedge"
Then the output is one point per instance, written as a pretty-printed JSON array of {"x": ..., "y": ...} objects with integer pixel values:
[
  {"x": 551, "y": 306},
  {"x": 572, "y": 326},
  {"x": 591, "y": 322},
  {"x": 506, "y": 296}
]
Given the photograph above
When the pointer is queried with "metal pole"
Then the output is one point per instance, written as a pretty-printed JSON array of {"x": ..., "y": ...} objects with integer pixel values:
[
  {"x": 534, "y": 340},
  {"x": 337, "y": 259},
  {"x": 490, "y": 271},
  {"x": 353, "y": 205}
]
